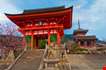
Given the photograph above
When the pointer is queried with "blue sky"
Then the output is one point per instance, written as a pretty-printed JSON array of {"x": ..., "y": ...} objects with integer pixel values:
[{"x": 92, "y": 13}]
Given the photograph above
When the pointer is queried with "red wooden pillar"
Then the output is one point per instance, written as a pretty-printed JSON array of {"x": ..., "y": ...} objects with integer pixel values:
[
  {"x": 49, "y": 38},
  {"x": 32, "y": 40},
  {"x": 37, "y": 42},
  {"x": 58, "y": 39}
]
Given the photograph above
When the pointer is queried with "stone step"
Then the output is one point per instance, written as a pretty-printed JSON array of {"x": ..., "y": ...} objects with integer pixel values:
[{"x": 29, "y": 61}]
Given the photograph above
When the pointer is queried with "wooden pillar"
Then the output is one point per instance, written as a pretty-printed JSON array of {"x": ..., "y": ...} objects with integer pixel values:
[
  {"x": 32, "y": 39},
  {"x": 37, "y": 42},
  {"x": 85, "y": 44},
  {"x": 79, "y": 43},
  {"x": 49, "y": 38},
  {"x": 92, "y": 43},
  {"x": 58, "y": 39},
  {"x": 34, "y": 42}
]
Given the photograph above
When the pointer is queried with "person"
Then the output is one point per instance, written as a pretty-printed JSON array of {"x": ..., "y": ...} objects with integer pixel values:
[
  {"x": 62, "y": 52},
  {"x": 66, "y": 48}
]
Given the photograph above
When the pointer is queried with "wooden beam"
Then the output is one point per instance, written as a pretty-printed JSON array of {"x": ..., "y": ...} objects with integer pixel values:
[{"x": 43, "y": 27}]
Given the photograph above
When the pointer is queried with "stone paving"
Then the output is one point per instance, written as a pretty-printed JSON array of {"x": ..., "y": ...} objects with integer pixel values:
[
  {"x": 3, "y": 66},
  {"x": 87, "y": 61},
  {"x": 29, "y": 61}
]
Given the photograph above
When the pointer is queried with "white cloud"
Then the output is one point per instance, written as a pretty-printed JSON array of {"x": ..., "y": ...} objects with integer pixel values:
[
  {"x": 6, "y": 6},
  {"x": 92, "y": 18}
]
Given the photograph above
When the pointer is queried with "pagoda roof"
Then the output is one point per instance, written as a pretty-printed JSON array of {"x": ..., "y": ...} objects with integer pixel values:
[
  {"x": 41, "y": 10},
  {"x": 45, "y": 15},
  {"x": 80, "y": 30},
  {"x": 86, "y": 37},
  {"x": 53, "y": 9}
]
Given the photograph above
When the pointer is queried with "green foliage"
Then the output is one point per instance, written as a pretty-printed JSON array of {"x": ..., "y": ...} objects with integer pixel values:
[
  {"x": 28, "y": 39},
  {"x": 101, "y": 49},
  {"x": 76, "y": 49},
  {"x": 64, "y": 40},
  {"x": 74, "y": 46},
  {"x": 28, "y": 47},
  {"x": 53, "y": 38},
  {"x": 83, "y": 49},
  {"x": 42, "y": 44}
]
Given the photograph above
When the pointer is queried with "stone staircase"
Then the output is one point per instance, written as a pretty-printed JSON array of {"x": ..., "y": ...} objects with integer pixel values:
[
  {"x": 29, "y": 61},
  {"x": 52, "y": 60}
]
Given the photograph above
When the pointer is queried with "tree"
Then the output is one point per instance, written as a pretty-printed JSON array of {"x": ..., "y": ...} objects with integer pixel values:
[
  {"x": 10, "y": 29},
  {"x": 28, "y": 40},
  {"x": 42, "y": 44},
  {"x": 53, "y": 38}
]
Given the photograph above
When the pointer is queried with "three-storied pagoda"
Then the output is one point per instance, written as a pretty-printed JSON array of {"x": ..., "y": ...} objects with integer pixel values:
[
  {"x": 41, "y": 23},
  {"x": 83, "y": 40}
]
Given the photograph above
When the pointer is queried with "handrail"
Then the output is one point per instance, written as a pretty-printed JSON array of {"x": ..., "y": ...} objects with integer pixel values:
[
  {"x": 11, "y": 65},
  {"x": 41, "y": 63}
]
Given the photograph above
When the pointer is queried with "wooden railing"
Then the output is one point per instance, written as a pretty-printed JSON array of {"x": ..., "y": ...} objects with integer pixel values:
[
  {"x": 62, "y": 64},
  {"x": 42, "y": 62}
]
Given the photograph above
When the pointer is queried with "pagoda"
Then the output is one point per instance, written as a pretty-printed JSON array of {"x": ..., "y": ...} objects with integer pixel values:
[
  {"x": 83, "y": 40},
  {"x": 42, "y": 23}
]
